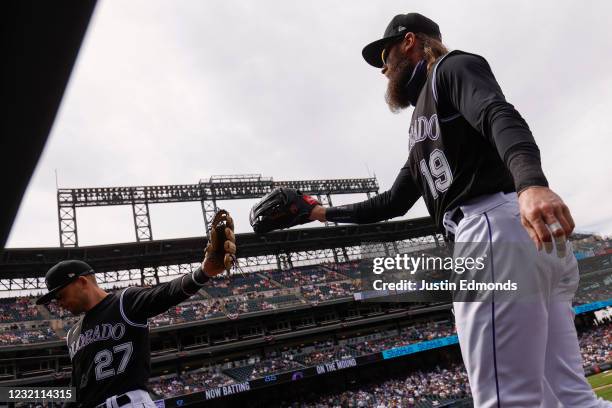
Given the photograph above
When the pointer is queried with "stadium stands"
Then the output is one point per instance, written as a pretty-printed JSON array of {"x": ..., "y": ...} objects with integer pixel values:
[
  {"x": 230, "y": 297},
  {"x": 328, "y": 291},
  {"x": 188, "y": 312},
  {"x": 15, "y": 334},
  {"x": 596, "y": 345},
  {"x": 223, "y": 286},
  {"x": 417, "y": 390},
  {"x": 225, "y": 297},
  {"x": 259, "y": 302},
  {"x": 406, "y": 336},
  {"x": 189, "y": 382},
  {"x": 18, "y": 310},
  {"x": 424, "y": 389},
  {"x": 325, "y": 353},
  {"x": 306, "y": 276},
  {"x": 265, "y": 291}
]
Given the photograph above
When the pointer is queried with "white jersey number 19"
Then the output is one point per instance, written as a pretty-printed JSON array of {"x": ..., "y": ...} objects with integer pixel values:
[{"x": 438, "y": 175}]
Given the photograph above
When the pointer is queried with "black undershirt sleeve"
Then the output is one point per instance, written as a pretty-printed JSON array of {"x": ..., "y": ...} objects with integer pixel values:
[
  {"x": 139, "y": 303},
  {"x": 468, "y": 84},
  {"x": 392, "y": 203},
  {"x": 523, "y": 161}
]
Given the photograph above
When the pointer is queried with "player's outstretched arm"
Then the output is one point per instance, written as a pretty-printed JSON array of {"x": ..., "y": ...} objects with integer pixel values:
[
  {"x": 139, "y": 304},
  {"x": 392, "y": 203},
  {"x": 284, "y": 207}
]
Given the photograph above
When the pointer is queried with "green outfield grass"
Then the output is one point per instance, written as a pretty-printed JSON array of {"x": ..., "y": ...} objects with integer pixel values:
[{"x": 602, "y": 383}]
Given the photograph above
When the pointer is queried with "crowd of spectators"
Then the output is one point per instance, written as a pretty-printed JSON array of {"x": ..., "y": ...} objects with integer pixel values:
[
  {"x": 57, "y": 312},
  {"x": 434, "y": 387},
  {"x": 333, "y": 290},
  {"x": 189, "y": 382},
  {"x": 188, "y": 312},
  {"x": 18, "y": 334},
  {"x": 421, "y": 388},
  {"x": 238, "y": 285},
  {"x": 596, "y": 344},
  {"x": 382, "y": 341},
  {"x": 348, "y": 269},
  {"x": 325, "y": 352},
  {"x": 257, "y": 366},
  {"x": 592, "y": 245},
  {"x": 429, "y": 331},
  {"x": 259, "y": 301},
  {"x": 247, "y": 303},
  {"x": 306, "y": 276},
  {"x": 18, "y": 310},
  {"x": 237, "y": 295},
  {"x": 431, "y": 388},
  {"x": 273, "y": 365},
  {"x": 594, "y": 293},
  {"x": 262, "y": 291},
  {"x": 287, "y": 359}
]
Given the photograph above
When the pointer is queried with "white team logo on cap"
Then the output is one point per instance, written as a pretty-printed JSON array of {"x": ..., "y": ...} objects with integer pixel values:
[
  {"x": 401, "y": 28},
  {"x": 71, "y": 275}
]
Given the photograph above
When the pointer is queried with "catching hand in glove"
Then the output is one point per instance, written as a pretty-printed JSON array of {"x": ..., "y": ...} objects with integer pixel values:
[
  {"x": 220, "y": 253},
  {"x": 281, "y": 208}
]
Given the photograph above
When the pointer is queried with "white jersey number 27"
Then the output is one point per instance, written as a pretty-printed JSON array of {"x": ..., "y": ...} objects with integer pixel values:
[{"x": 104, "y": 358}]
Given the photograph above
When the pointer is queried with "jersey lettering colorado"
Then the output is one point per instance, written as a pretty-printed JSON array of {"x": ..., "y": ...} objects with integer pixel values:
[
  {"x": 449, "y": 160},
  {"x": 110, "y": 354}
]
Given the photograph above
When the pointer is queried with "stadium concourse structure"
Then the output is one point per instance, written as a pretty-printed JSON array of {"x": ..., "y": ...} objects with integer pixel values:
[{"x": 291, "y": 322}]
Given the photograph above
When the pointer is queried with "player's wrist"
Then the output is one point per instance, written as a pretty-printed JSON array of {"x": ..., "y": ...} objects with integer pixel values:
[
  {"x": 318, "y": 213},
  {"x": 199, "y": 276},
  {"x": 531, "y": 187},
  {"x": 192, "y": 283}
]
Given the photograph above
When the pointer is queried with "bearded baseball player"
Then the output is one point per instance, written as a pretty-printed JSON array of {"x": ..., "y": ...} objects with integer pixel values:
[
  {"x": 473, "y": 159},
  {"x": 109, "y": 345}
]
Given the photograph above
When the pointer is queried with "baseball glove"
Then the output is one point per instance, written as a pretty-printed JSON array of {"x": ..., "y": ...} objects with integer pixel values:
[
  {"x": 281, "y": 208},
  {"x": 220, "y": 253}
]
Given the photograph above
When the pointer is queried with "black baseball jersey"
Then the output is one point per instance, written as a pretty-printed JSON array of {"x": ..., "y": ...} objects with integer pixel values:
[
  {"x": 109, "y": 345},
  {"x": 461, "y": 130},
  {"x": 450, "y": 161}
]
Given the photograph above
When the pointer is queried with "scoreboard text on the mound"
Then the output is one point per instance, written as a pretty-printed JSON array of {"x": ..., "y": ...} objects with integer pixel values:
[{"x": 336, "y": 365}]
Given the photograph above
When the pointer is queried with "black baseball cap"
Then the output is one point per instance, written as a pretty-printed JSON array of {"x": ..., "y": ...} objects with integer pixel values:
[
  {"x": 398, "y": 27},
  {"x": 62, "y": 275}
]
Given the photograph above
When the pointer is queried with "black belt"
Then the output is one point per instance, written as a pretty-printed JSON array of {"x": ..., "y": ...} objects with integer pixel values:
[
  {"x": 121, "y": 400},
  {"x": 456, "y": 218}
]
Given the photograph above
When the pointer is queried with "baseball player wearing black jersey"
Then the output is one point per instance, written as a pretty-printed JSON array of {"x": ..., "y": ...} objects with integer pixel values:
[
  {"x": 109, "y": 345},
  {"x": 469, "y": 153}
]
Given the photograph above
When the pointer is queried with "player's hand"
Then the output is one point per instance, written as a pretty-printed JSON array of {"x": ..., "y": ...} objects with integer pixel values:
[
  {"x": 545, "y": 216},
  {"x": 220, "y": 253}
]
